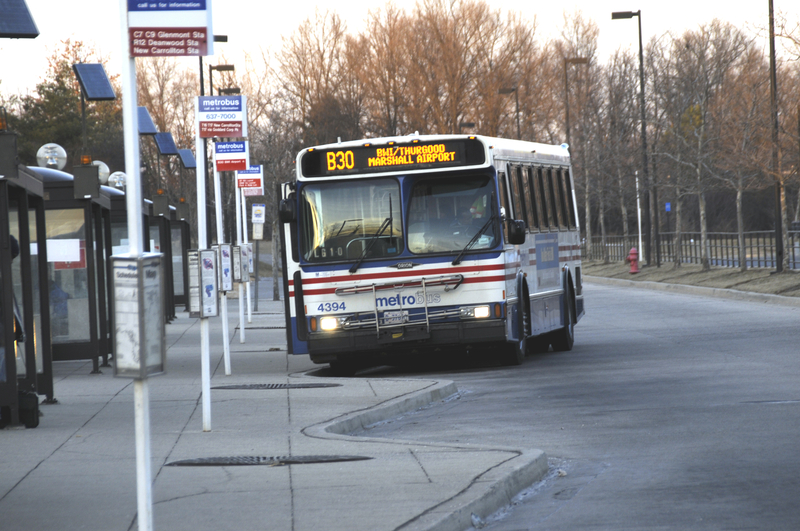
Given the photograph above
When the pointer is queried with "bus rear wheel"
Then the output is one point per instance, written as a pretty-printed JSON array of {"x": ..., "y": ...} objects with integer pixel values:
[{"x": 564, "y": 339}]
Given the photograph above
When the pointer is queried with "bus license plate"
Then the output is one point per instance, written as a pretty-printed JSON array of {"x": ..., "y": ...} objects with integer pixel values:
[{"x": 395, "y": 317}]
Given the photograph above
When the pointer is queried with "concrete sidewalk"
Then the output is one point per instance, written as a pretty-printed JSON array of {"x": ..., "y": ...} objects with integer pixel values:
[{"x": 77, "y": 469}]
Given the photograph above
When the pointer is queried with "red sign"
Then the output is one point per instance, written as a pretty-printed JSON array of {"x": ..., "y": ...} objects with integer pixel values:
[
  {"x": 221, "y": 130},
  {"x": 231, "y": 164},
  {"x": 248, "y": 183},
  {"x": 168, "y": 42}
]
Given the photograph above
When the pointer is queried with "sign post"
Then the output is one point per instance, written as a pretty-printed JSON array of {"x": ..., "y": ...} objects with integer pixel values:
[
  {"x": 151, "y": 28},
  {"x": 259, "y": 217},
  {"x": 250, "y": 180}
]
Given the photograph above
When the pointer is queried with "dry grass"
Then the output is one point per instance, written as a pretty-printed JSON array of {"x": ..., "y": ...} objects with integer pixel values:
[{"x": 755, "y": 280}]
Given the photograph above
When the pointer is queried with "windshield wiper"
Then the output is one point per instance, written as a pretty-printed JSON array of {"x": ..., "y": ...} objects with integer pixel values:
[
  {"x": 386, "y": 223},
  {"x": 474, "y": 239},
  {"x": 345, "y": 222}
]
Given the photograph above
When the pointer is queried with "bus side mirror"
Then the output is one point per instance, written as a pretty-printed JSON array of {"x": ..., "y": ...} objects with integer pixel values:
[
  {"x": 286, "y": 211},
  {"x": 516, "y": 232}
]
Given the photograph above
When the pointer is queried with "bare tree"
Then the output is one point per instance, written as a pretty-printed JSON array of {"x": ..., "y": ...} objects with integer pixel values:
[{"x": 701, "y": 63}]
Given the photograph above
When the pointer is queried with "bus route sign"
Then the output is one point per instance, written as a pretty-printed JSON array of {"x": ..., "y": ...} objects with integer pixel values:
[
  {"x": 222, "y": 116},
  {"x": 170, "y": 28},
  {"x": 231, "y": 156}
]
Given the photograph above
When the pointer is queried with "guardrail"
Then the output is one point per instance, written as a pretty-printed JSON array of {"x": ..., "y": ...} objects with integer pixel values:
[{"x": 723, "y": 248}]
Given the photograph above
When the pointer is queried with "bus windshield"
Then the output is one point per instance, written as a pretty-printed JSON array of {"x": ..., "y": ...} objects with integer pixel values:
[
  {"x": 446, "y": 213},
  {"x": 339, "y": 221}
]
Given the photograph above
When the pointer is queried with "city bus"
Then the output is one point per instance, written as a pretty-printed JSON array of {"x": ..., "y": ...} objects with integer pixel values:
[{"x": 401, "y": 247}]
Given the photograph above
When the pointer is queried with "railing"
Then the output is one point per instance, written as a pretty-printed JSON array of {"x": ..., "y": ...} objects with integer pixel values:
[{"x": 759, "y": 248}]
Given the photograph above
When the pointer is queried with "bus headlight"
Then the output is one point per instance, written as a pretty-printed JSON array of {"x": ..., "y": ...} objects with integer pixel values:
[
  {"x": 329, "y": 323},
  {"x": 481, "y": 312},
  {"x": 475, "y": 312}
]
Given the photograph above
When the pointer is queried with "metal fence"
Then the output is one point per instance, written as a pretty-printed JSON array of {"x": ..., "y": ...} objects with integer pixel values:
[{"x": 759, "y": 248}]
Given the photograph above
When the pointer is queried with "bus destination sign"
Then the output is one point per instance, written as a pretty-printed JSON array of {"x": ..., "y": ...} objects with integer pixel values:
[{"x": 395, "y": 157}]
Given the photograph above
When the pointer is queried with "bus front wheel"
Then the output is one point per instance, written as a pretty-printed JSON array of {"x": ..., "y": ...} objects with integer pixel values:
[{"x": 344, "y": 368}]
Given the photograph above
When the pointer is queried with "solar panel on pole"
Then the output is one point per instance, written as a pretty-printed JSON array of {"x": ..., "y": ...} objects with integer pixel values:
[
  {"x": 16, "y": 21},
  {"x": 166, "y": 145},
  {"x": 94, "y": 82},
  {"x": 187, "y": 159},
  {"x": 146, "y": 125}
]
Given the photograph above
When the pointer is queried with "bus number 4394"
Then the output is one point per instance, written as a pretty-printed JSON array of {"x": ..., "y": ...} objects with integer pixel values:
[{"x": 331, "y": 307}]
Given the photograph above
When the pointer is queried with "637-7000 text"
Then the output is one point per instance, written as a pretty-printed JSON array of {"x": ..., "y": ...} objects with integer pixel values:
[{"x": 217, "y": 116}]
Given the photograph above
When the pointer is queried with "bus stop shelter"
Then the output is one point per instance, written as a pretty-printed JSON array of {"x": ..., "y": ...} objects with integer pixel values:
[
  {"x": 25, "y": 341},
  {"x": 76, "y": 274}
]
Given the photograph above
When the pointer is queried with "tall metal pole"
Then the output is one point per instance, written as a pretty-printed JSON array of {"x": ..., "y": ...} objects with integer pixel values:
[
  {"x": 568, "y": 61},
  {"x": 773, "y": 97},
  {"x": 566, "y": 99},
  {"x": 645, "y": 168},
  {"x": 133, "y": 203}
]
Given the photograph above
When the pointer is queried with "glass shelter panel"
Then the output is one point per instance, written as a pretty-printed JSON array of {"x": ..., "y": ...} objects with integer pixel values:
[
  {"x": 16, "y": 282},
  {"x": 177, "y": 259},
  {"x": 37, "y": 303},
  {"x": 67, "y": 274}
]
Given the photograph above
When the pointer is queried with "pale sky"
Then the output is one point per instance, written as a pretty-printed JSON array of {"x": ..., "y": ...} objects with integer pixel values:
[{"x": 258, "y": 24}]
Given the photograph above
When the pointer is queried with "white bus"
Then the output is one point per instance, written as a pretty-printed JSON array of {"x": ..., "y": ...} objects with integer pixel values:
[{"x": 404, "y": 246}]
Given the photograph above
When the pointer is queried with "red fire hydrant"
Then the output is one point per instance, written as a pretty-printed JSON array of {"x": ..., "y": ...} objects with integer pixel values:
[{"x": 633, "y": 259}]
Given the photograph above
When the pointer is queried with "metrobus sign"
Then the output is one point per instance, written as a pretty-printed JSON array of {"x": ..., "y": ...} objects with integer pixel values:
[
  {"x": 222, "y": 116},
  {"x": 231, "y": 156},
  {"x": 252, "y": 177},
  {"x": 170, "y": 28}
]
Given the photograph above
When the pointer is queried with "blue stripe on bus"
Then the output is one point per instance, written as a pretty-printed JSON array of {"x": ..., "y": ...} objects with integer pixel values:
[{"x": 389, "y": 263}]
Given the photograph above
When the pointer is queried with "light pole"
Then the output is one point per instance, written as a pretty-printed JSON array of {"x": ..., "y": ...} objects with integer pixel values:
[
  {"x": 645, "y": 171},
  {"x": 775, "y": 167},
  {"x": 573, "y": 61},
  {"x": 509, "y": 90},
  {"x": 217, "y": 38},
  {"x": 218, "y": 68}
]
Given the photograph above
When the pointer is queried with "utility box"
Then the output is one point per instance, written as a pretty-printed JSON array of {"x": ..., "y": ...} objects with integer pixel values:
[
  {"x": 9, "y": 159},
  {"x": 87, "y": 183},
  {"x": 139, "y": 325}
]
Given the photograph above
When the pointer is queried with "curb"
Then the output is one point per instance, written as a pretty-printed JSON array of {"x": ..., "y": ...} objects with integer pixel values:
[
  {"x": 720, "y": 293},
  {"x": 487, "y": 493}
]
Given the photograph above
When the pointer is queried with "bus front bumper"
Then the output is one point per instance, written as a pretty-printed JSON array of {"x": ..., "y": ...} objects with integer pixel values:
[{"x": 325, "y": 347}]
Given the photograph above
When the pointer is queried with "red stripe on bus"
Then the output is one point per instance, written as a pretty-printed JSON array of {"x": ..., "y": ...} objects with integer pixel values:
[{"x": 400, "y": 274}]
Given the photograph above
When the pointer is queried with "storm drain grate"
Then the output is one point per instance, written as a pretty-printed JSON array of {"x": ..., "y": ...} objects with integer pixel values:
[
  {"x": 283, "y": 460},
  {"x": 278, "y": 386},
  {"x": 265, "y": 327}
]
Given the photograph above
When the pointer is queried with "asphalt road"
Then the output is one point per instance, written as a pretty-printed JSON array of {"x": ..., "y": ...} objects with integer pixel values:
[{"x": 671, "y": 412}]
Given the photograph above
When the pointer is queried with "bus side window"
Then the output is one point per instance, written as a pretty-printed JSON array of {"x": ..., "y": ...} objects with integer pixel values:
[
  {"x": 520, "y": 193},
  {"x": 530, "y": 208},
  {"x": 555, "y": 191},
  {"x": 535, "y": 201},
  {"x": 566, "y": 198},
  {"x": 547, "y": 208},
  {"x": 501, "y": 178}
]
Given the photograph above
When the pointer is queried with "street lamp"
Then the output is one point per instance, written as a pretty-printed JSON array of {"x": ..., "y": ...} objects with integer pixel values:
[
  {"x": 646, "y": 173},
  {"x": 572, "y": 61},
  {"x": 509, "y": 90},
  {"x": 218, "y": 68}
]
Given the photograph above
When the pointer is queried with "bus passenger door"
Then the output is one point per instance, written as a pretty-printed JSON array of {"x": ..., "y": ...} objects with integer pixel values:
[{"x": 292, "y": 277}]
